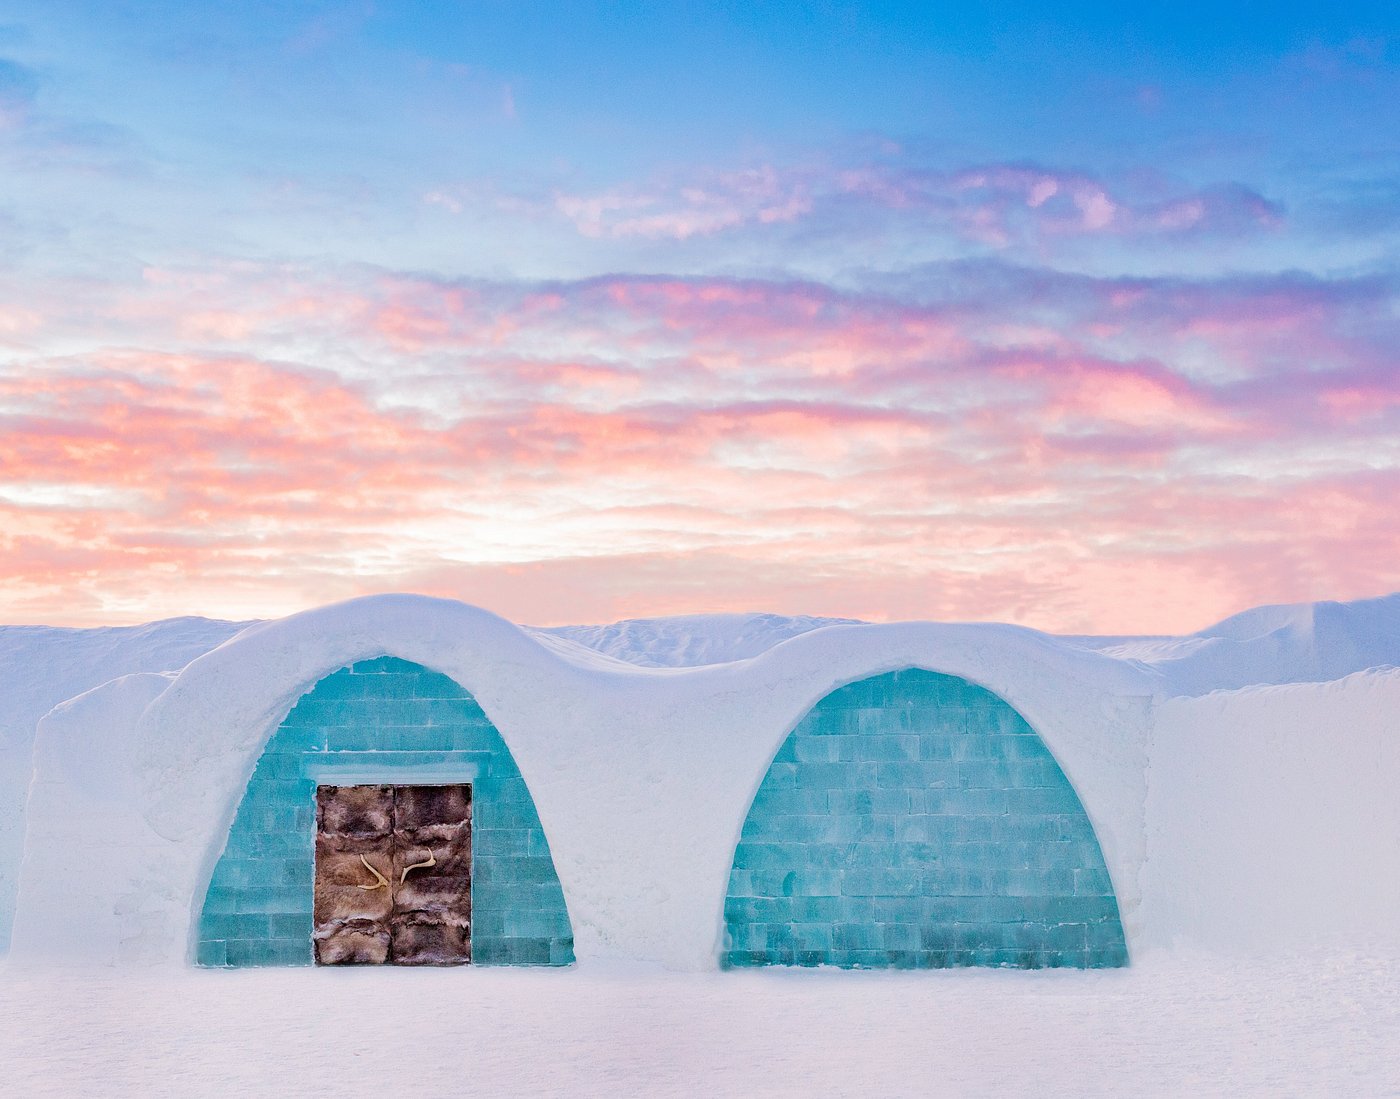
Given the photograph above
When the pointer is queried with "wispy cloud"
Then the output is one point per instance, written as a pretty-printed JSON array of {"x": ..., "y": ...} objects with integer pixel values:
[{"x": 997, "y": 204}]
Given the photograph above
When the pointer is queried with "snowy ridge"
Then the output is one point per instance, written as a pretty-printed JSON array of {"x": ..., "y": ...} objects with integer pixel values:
[
  {"x": 690, "y": 641},
  {"x": 1271, "y": 645},
  {"x": 1285, "y": 643}
]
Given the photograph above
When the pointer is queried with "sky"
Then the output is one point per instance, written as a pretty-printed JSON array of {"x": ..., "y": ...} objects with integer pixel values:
[{"x": 1081, "y": 316}]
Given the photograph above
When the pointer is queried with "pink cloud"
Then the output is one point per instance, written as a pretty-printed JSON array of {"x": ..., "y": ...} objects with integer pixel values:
[{"x": 1068, "y": 452}]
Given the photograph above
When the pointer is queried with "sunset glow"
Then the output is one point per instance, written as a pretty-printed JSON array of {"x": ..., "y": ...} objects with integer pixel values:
[{"x": 617, "y": 313}]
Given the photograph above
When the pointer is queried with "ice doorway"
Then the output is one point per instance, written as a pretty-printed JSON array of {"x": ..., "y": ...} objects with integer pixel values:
[
  {"x": 381, "y": 722},
  {"x": 393, "y": 875}
]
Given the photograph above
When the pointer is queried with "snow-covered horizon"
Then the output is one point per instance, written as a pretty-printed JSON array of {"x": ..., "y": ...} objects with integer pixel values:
[
  {"x": 1266, "y": 645},
  {"x": 1270, "y": 645}
]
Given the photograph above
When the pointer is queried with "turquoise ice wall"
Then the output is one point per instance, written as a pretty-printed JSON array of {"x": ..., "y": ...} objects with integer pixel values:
[
  {"x": 916, "y": 820},
  {"x": 382, "y": 720}
]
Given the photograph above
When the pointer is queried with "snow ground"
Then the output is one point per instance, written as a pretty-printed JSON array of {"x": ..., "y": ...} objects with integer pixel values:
[{"x": 1172, "y": 1025}]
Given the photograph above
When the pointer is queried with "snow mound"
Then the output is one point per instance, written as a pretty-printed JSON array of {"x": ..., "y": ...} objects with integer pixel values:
[
  {"x": 692, "y": 640},
  {"x": 1284, "y": 643}
]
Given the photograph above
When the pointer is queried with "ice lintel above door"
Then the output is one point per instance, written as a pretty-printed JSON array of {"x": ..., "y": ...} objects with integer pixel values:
[{"x": 419, "y": 768}]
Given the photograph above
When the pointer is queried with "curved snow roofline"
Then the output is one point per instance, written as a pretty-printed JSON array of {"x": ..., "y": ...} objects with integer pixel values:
[
  {"x": 641, "y": 776},
  {"x": 1127, "y": 676}
]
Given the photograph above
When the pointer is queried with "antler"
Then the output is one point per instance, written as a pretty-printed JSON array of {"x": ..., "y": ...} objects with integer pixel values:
[
  {"x": 431, "y": 861},
  {"x": 380, "y": 881}
]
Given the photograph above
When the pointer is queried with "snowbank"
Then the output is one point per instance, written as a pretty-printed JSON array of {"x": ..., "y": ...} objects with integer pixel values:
[{"x": 691, "y": 640}]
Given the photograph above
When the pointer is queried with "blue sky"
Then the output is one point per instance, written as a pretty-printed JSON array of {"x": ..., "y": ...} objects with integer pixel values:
[
  {"x": 347, "y": 106},
  {"x": 1011, "y": 305}
]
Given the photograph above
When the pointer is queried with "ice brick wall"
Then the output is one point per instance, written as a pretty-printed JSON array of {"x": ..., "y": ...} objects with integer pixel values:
[
  {"x": 395, "y": 718},
  {"x": 916, "y": 820}
]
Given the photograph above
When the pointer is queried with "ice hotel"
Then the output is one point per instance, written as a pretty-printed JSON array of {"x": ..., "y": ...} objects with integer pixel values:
[{"x": 400, "y": 780}]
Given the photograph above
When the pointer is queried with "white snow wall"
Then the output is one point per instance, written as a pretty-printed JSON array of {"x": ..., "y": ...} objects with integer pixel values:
[
  {"x": 1273, "y": 817},
  {"x": 41, "y": 667},
  {"x": 641, "y": 777}
]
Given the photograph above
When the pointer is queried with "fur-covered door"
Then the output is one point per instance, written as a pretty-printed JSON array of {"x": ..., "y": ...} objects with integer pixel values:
[{"x": 393, "y": 875}]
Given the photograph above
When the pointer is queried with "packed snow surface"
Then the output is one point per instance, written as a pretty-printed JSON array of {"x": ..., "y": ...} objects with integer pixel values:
[{"x": 1169, "y": 1026}]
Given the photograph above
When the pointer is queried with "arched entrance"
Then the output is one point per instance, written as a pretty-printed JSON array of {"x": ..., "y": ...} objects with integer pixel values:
[
  {"x": 390, "y": 725},
  {"x": 915, "y": 819}
]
